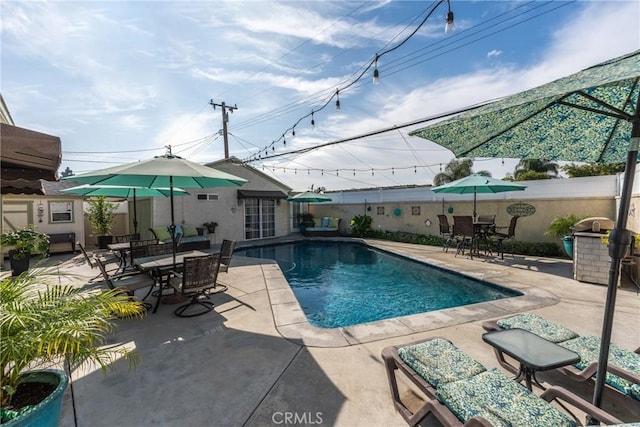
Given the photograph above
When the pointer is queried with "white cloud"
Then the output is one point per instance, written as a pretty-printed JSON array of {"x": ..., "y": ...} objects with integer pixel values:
[{"x": 494, "y": 52}]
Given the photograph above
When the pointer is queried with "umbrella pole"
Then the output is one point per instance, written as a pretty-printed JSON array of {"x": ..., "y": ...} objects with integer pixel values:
[
  {"x": 474, "y": 204},
  {"x": 173, "y": 223},
  {"x": 135, "y": 214},
  {"x": 619, "y": 242}
]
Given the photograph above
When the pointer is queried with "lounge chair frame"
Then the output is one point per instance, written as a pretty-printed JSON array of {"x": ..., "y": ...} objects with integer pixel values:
[{"x": 433, "y": 406}]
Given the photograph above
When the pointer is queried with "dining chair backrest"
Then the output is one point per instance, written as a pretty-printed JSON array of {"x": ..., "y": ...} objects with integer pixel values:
[
  {"x": 512, "y": 226},
  {"x": 91, "y": 261},
  {"x": 445, "y": 227},
  {"x": 199, "y": 273},
  {"x": 105, "y": 274},
  {"x": 137, "y": 248},
  {"x": 124, "y": 238},
  {"x": 158, "y": 249},
  {"x": 490, "y": 219},
  {"x": 226, "y": 252},
  {"x": 463, "y": 225}
]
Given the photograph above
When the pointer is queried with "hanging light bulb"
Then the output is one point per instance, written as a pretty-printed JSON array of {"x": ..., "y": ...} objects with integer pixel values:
[
  {"x": 337, "y": 99},
  {"x": 293, "y": 132},
  {"x": 376, "y": 73},
  {"x": 284, "y": 141},
  {"x": 313, "y": 122},
  {"x": 449, "y": 26}
]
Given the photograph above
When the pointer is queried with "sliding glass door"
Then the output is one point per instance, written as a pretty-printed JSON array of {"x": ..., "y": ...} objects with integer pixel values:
[{"x": 259, "y": 218}]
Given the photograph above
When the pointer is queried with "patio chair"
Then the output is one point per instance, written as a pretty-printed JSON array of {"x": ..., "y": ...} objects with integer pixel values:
[
  {"x": 128, "y": 282},
  {"x": 196, "y": 281},
  {"x": 107, "y": 258},
  {"x": 464, "y": 234},
  {"x": 623, "y": 371},
  {"x": 461, "y": 391},
  {"x": 158, "y": 249},
  {"x": 226, "y": 252},
  {"x": 446, "y": 232},
  {"x": 138, "y": 248},
  {"x": 500, "y": 237}
]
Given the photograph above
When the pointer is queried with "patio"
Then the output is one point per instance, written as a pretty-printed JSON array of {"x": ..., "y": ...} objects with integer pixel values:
[{"x": 235, "y": 367}]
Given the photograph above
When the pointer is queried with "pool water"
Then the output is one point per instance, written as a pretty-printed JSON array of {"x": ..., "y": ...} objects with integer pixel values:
[{"x": 346, "y": 283}]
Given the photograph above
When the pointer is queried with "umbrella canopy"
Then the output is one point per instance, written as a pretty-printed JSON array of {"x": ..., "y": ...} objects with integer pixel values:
[
  {"x": 478, "y": 184},
  {"x": 309, "y": 196},
  {"x": 164, "y": 171},
  {"x": 590, "y": 116},
  {"x": 124, "y": 192}
]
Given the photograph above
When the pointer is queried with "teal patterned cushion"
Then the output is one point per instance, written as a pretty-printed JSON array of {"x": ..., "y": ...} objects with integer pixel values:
[
  {"x": 539, "y": 326},
  {"x": 588, "y": 347},
  {"x": 500, "y": 400},
  {"x": 635, "y": 392},
  {"x": 439, "y": 362}
]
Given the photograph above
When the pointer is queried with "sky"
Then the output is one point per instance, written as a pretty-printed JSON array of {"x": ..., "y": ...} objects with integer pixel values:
[{"x": 119, "y": 81}]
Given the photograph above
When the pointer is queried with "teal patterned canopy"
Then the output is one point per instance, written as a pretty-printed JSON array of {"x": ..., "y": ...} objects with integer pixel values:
[{"x": 584, "y": 117}]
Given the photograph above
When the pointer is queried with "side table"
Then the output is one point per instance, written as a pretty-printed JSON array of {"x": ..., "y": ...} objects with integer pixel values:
[{"x": 533, "y": 352}]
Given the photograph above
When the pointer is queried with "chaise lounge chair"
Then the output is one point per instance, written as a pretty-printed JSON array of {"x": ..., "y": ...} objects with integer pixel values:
[
  {"x": 623, "y": 374},
  {"x": 461, "y": 391}
]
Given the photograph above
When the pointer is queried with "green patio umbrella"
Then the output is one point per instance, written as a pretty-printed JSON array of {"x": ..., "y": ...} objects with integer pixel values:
[
  {"x": 590, "y": 116},
  {"x": 474, "y": 184},
  {"x": 309, "y": 197},
  {"x": 124, "y": 192},
  {"x": 164, "y": 171}
]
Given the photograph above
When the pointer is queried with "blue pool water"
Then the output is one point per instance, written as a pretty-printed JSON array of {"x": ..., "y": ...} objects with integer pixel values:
[{"x": 345, "y": 283}]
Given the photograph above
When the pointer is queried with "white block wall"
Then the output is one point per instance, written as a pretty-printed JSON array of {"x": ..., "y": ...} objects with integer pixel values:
[{"x": 590, "y": 259}]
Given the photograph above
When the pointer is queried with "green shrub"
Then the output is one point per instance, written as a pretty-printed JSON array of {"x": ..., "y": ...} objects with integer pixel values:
[{"x": 361, "y": 225}]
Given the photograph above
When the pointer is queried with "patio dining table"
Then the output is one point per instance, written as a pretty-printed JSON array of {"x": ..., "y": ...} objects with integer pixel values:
[
  {"x": 159, "y": 266},
  {"x": 120, "y": 250}
]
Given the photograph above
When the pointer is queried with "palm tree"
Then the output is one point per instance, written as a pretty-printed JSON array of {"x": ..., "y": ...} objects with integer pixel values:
[
  {"x": 535, "y": 165},
  {"x": 456, "y": 169}
]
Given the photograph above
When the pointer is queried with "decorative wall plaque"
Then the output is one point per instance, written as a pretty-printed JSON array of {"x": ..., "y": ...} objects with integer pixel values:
[{"x": 521, "y": 209}]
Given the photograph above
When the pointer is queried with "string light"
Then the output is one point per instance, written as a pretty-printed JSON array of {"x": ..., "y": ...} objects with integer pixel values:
[
  {"x": 376, "y": 73},
  {"x": 449, "y": 26},
  {"x": 284, "y": 141}
]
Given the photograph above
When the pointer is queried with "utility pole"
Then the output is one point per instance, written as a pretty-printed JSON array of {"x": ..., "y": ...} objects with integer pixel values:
[{"x": 225, "y": 119}]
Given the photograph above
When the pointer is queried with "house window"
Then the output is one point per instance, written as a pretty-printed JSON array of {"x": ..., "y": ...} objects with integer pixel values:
[
  {"x": 207, "y": 197},
  {"x": 60, "y": 212},
  {"x": 259, "y": 218}
]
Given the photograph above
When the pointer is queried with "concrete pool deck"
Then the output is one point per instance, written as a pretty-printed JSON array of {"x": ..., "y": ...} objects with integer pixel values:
[{"x": 249, "y": 364}]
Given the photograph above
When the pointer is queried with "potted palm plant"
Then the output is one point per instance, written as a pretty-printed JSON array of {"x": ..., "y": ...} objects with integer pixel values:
[
  {"x": 23, "y": 243},
  {"x": 562, "y": 227},
  {"x": 101, "y": 217},
  {"x": 46, "y": 324}
]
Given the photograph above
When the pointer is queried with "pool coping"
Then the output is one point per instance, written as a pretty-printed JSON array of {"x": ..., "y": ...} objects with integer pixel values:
[{"x": 292, "y": 323}]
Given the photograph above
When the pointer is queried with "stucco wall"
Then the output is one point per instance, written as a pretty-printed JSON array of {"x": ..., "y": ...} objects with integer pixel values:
[
  {"x": 21, "y": 210},
  {"x": 529, "y": 228},
  {"x": 227, "y": 210}
]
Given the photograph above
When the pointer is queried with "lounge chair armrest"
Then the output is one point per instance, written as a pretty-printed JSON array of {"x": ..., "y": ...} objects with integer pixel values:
[
  {"x": 555, "y": 392},
  {"x": 629, "y": 376}
]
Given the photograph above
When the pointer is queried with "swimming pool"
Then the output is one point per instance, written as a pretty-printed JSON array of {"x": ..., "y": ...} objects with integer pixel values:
[{"x": 347, "y": 283}]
